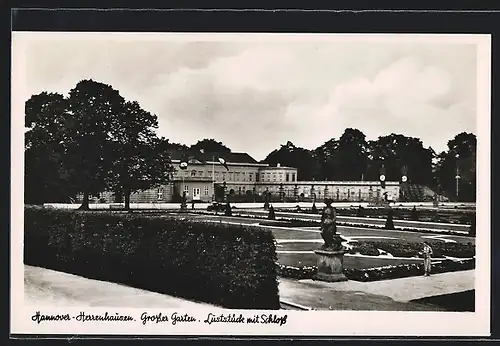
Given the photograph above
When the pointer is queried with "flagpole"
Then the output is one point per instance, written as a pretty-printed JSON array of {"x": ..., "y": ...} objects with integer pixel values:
[{"x": 213, "y": 178}]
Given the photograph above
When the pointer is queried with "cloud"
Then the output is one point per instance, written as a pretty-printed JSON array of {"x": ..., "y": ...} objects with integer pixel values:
[{"x": 254, "y": 96}]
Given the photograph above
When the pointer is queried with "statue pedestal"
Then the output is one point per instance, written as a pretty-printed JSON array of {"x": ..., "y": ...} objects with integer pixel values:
[{"x": 330, "y": 265}]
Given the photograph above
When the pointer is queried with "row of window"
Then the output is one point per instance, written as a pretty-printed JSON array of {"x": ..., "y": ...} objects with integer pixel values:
[
  {"x": 196, "y": 190},
  {"x": 277, "y": 176},
  {"x": 243, "y": 189},
  {"x": 239, "y": 176},
  {"x": 218, "y": 176}
]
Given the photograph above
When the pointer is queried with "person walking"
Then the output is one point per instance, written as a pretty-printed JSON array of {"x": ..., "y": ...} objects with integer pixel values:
[{"x": 427, "y": 252}]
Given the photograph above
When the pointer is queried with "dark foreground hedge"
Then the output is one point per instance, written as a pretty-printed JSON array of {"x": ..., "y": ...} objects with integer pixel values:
[{"x": 226, "y": 265}]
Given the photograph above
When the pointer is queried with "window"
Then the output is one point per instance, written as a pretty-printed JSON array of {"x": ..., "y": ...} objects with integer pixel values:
[
  {"x": 206, "y": 190},
  {"x": 244, "y": 176},
  {"x": 160, "y": 194},
  {"x": 237, "y": 176},
  {"x": 293, "y": 176},
  {"x": 186, "y": 189},
  {"x": 193, "y": 173},
  {"x": 200, "y": 173},
  {"x": 250, "y": 176},
  {"x": 287, "y": 177},
  {"x": 224, "y": 176}
]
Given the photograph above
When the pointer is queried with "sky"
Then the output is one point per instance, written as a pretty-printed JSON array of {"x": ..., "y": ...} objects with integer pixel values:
[{"x": 256, "y": 92}]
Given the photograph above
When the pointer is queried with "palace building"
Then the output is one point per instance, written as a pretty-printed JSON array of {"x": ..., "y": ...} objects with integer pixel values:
[{"x": 205, "y": 179}]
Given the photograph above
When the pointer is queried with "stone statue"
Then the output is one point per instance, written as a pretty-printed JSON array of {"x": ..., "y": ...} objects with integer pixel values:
[{"x": 329, "y": 228}]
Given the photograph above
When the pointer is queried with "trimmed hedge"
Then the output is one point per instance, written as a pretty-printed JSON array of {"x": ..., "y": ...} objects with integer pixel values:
[
  {"x": 298, "y": 273},
  {"x": 380, "y": 273},
  {"x": 446, "y": 216},
  {"x": 410, "y": 249},
  {"x": 226, "y": 265},
  {"x": 406, "y": 270},
  {"x": 285, "y": 222}
]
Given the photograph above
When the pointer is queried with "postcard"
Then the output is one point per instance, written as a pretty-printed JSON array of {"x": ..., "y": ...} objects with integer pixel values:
[{"x": 250, "y": 184}]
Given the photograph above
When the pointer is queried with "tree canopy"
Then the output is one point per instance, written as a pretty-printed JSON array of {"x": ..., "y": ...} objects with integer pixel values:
[
  {"x": 95, "y": 140},
  {"x": 89, "y": 142},
  {"x": 210, "y": 145},
  {"x": 352, "y": 158}
]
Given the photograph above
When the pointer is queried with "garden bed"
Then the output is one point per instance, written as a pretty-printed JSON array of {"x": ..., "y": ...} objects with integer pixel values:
[
  {"x": 449, "y": 216},
  {"x": 297, "y": 223},
  {"x": 379, "y": 273},
  {"x": 411, "y": 249}
]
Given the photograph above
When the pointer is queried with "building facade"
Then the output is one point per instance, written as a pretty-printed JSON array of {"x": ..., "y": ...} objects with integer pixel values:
[{"x": 205, "y": 179}]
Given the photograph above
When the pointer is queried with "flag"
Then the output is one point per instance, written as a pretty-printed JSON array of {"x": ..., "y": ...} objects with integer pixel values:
[
  {"x": 223, "y": 162},
  {"x": 201, "y": 157}
]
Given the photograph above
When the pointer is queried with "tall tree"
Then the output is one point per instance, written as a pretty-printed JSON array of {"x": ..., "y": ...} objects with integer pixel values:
[
  {"x": 46, "y": 176},
  {"x": 140, "y": 159},
  {"x": 396, "y": 151},
  {"x": 352, "y": 155},
  {"x": 210, "y": 145},
  {"x": 460, "y": 158},
  {"x": 327, "y": 160},
  {"x": 177, "y": 146},
  {"x": 95, "y": 109},
  {"x": 300, "y": 158}
]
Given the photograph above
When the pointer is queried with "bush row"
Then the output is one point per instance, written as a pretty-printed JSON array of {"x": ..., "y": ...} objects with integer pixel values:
[
  {"x": 380, "y": 273},
  {"x": 305, "y": 223},
  {"x": 226, "y": 265},
  {"x": 411, "y": 249},
  {"x": 406, "y": 270},
  {"x": 455, "y": 217}
]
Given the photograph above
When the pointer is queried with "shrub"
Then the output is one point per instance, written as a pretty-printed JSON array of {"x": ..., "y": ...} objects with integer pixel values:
[
  {"x": 364, "y": 248},
  {"x": 414, "y": 214},
  {"x": 314, "y": 210},
  {"x": 472, "y": 229},
  {"x": 389, "y": 223},
  {"x": 227, "y": 265},
  {"x": 298, "y": 273},
  {"x": 271, "y": 215},
  {"x": 360, "y": 212},
  {"x": 228, "y": 211}
]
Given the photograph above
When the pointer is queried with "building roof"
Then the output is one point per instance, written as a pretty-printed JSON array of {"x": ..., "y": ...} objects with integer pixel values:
[
  {"x": 280, "y": 167},
  {"x": 230, "y": 157}
]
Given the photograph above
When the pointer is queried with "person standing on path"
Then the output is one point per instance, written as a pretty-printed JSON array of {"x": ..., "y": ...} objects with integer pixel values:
[{"x": 427, "y": 252}]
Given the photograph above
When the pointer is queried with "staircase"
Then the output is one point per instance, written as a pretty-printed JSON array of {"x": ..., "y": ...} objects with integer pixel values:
[{"x": 419, "y": 193}]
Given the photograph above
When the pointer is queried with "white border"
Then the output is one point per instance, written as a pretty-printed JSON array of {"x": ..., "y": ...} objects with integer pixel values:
[{"x": 302, "y": 323}]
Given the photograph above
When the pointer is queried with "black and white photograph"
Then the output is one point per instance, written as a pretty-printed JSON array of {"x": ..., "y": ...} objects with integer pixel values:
[{"x": 281, "y": 184}]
